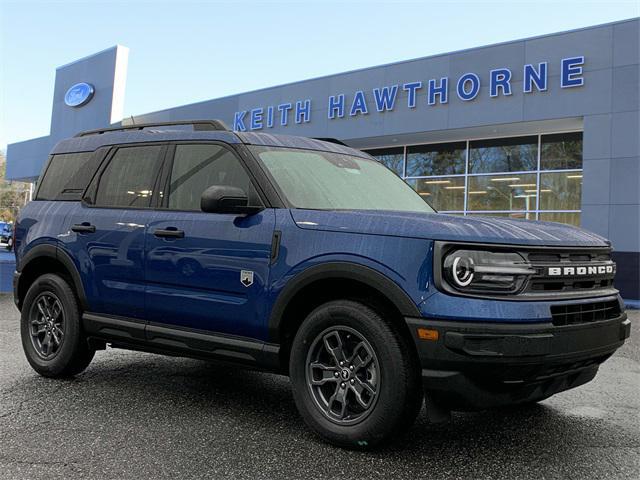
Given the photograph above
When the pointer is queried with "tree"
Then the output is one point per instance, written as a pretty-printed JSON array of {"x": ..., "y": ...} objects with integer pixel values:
[{"x": 13, "y": 195}]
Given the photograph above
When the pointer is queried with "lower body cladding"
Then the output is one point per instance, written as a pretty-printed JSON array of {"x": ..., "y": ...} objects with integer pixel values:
[
  {"x": 471, "y": 365},
  {"x": 136, "y": 334}
]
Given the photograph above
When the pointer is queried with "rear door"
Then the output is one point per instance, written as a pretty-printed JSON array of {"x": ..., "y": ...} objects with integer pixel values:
[
  {"x": 106, "y": 231},
  {"x": 207, "y": 271}
]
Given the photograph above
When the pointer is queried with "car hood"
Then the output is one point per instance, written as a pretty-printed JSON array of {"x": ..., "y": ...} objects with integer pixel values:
[{"x": 437, "y": 226}]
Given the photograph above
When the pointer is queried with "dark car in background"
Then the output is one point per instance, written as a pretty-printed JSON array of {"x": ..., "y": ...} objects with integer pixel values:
[{"x": 6, "y": 235}]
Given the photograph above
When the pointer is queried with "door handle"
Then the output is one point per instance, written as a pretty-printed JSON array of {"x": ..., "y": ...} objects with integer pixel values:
[
  {"x": 169, "y": 232},
  {"x": 84, "y": 227}
]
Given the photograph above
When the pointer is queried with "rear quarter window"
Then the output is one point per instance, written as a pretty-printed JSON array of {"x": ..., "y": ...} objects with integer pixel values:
[{"x": 67, "y": 176}]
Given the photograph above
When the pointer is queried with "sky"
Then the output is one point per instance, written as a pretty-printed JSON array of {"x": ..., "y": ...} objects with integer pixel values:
[{"x": 187, "y": 51}]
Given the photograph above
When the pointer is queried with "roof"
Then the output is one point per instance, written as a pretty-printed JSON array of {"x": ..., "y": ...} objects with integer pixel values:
[
  {"x": 89, "y": 143},
  {"x": 291, "y": 141}
]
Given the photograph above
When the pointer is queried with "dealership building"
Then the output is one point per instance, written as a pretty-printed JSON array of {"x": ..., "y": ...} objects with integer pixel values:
[{"x": 543, "y": 128}]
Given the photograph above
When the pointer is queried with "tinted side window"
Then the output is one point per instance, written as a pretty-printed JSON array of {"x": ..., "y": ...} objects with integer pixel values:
[
  {"x": 67, "y": 176},
  {"x": 129, "y": 179},
  {"x": 197, "y": 167}
]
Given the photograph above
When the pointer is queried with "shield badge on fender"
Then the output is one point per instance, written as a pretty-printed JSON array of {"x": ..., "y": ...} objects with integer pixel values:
[{"x": 246, "y": 278}]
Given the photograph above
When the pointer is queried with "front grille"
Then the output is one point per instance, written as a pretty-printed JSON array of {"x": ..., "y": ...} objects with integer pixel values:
[
  {"x": 551, "y": 257},
  {"x": 544, "y": 283},
  {"x": 575, "y": 314}
]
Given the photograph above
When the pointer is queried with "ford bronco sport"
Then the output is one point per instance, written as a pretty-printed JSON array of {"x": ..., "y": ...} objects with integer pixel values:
[{"x": 311, "y": 259}]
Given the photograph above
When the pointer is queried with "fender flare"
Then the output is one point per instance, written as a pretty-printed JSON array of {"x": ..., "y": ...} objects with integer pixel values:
[
  {"x": 52, "y": 251},
  {"x": 340, "y": 270}
]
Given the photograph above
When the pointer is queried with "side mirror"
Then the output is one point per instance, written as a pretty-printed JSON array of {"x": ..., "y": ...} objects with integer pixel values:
[{"x": 226, "y": 199}]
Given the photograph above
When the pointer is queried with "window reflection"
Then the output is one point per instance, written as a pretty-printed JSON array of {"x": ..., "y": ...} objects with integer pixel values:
[
  {"x": 561, "y": 151},
  {"x": 437, "y": 159},
  {"x": 560, "y": 191},
  {"x": 443, "y": 193},
  {"x": 128, "y": 179},
  {"x": 517, "y": 215},
  {"x": 503, "y": 155},
  {"x": 571, "y": 218},
  {"x": 391, "y": 157},
  {"x": 502, "y": 192}
]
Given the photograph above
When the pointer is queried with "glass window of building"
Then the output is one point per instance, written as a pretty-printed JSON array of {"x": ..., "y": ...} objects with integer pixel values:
[
  {"x": 502, "y": 192},
  {"x": 560, "y": 190},
  {"x": 391, "y": 157},
  {"x": 534, "y": 177},
  {"x": 436, "y": 159},
  {"x": 516, "y": 154},
  {"x": 561, "y": 151},
  {"x": 442, "y": 193},
  {"x": 516, "y": 215},
  {"x": 571, "y": 218}
]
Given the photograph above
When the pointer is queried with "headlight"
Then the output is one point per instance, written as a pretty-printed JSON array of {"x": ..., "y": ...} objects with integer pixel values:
[{"x": 482, "y": 271}]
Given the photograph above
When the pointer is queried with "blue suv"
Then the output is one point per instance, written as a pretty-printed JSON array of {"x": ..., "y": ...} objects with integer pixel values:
[{"x": 305, "y": 257}]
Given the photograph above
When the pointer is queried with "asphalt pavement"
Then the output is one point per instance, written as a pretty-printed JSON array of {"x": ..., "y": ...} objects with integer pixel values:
[{"x": 140, "y": 416}]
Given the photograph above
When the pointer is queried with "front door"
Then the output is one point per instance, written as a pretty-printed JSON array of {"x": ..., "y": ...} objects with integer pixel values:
[{"x": 207, "y": 271}]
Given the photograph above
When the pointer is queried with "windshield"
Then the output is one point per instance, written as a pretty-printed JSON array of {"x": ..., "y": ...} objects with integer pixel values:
[{"x": 331, "y": 181}]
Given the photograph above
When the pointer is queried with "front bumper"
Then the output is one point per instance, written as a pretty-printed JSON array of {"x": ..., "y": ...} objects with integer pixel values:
[{"x": 475, "y": 365}]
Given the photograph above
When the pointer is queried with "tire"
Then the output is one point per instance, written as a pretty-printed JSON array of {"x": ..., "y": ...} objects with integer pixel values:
[
  {"x": 386, "y": 375},
  {"x": 51, "y": 308}
]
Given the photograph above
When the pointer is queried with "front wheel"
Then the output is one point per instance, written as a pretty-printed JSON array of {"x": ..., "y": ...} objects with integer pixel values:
[
  {"x": 355, "y": 380},
  {"x": 50, "y": 328}
]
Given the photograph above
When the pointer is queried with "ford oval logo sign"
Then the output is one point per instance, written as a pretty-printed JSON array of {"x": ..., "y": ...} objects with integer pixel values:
[{"x": 79, "y": 94}]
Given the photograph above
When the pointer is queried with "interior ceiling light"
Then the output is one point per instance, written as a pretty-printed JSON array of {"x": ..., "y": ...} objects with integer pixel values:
[{"x": 434, "y": 182}]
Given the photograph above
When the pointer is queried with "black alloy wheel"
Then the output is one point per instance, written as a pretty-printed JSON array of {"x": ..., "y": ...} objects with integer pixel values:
[
  {"x": 47, "y": 325},
  {"x": 343, "y": 374}
]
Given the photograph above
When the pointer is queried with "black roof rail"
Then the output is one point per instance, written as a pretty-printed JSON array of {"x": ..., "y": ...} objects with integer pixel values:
[
  {"x": 332, "y": 140},
  {"x": 198, "y": 125}
]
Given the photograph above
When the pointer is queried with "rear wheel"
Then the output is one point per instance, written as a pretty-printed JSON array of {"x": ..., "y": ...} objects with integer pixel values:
[
  {"x": 50, "y": 328},
  {"x": 354, "y": 378}
]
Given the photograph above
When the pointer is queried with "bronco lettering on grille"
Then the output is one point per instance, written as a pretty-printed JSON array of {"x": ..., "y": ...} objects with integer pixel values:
[{"x": 581, "y": 270}]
